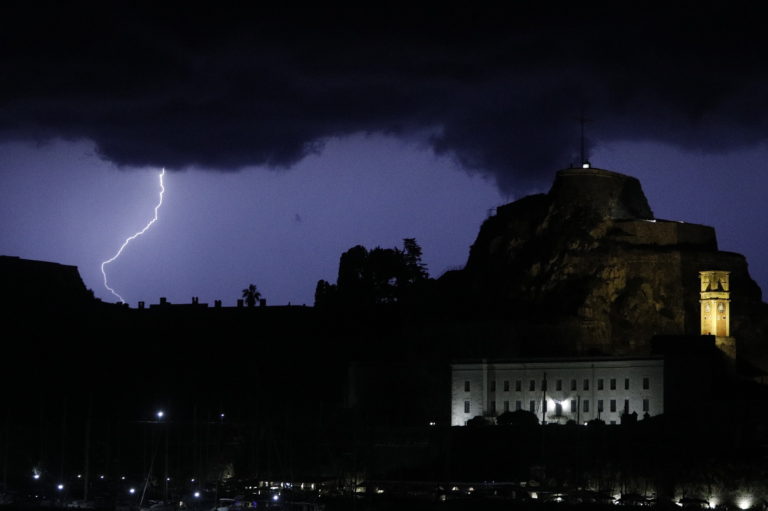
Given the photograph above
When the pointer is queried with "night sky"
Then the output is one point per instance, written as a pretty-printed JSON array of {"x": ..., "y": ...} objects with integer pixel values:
[{"x": 290, "y": 136}]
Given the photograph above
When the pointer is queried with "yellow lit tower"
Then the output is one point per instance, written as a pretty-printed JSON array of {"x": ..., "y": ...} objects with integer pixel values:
[{"x": 715, "y": 300}]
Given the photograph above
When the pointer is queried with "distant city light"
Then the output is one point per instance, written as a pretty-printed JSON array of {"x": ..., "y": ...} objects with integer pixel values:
[
  {"x": 192, "y": 480},
  {"x": 132, "y": 491},
  {"x": 744, "y": 503},
  {"x": 122, "y": 478},
  {"x": 275, "y": 497},
  {"x": 160, "y": 414},
  {"x": 101, "y": 476},
  {"x": 60, "y": 487},
  {"x": 197, "y": 494},
  {"x": 222, "y": 416},
  {"x": 35, "y": 476},
  {"x": 432, "y": 423},
  {"x": 79, "y": 476}
]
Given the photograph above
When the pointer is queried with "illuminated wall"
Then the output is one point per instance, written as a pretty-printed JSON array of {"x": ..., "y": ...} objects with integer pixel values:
[
  {"x": 558, "y": 390},
  {"x": 715, "y": 300}
]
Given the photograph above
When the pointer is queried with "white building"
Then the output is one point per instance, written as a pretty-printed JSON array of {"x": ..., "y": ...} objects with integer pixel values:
[{"x": 558, "y": 390}]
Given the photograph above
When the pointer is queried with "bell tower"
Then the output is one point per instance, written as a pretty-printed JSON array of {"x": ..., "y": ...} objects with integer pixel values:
[{"x": 715, "y": 300}]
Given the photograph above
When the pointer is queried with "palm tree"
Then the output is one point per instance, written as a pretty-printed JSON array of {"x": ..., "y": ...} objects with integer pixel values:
[{"x": 251, "y": 295}]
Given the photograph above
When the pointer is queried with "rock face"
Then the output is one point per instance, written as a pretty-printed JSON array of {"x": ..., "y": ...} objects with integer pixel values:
[
  {"x": 587, "y": 269},
  {"x": 41, "y": 285}
]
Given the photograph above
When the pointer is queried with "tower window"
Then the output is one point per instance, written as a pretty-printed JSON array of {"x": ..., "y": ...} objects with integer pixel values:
[
  {"x": 586, "y": 405},
  {"x": 573, "y": 384},
  {"x": 646, "y": 383},
  {"x": 532, "y": 385},
  {"x": 626, "y": 383},
  {"x": 559, "y": 385},
  {"x": 613, "y": 383},
  {"x": 466, "y": 406},
  {"x": 506, "y": 385},
  {"x": 573, "y": 406},
  {"x": 518, "y": 386},
  {"x": 646, "y": 405},
  {"x": 506, "y": 406},
  {"x": 493, "y": 385},
  {"x": 599, "y": 405},
  {"x": 466, "y": 386},
  {"x": 518, "y": 405},
  {"x": 532, "y": 407},
  {"x": 613, "y": 405},
  {"x": 586, "y": 384},
  {"x": 558, "y": 410},
  {"x": 493, "y": 407},
  {"x": 600, "y": 384}
]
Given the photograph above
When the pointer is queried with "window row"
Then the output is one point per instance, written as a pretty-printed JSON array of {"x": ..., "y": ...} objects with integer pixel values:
[
  {"x": 559, "y": 406},
  {"x": 559, "y": 384}
]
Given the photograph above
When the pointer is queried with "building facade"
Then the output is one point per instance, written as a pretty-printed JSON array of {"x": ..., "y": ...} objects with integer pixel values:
[{"x": 558, "y": 390}]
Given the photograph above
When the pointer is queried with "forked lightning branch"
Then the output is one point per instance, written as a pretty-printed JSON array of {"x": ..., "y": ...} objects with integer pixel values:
[{"x": 131, "y": 238}]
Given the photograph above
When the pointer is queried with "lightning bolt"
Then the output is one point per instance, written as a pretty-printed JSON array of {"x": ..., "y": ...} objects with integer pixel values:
[{"x": 131, "y": 238}]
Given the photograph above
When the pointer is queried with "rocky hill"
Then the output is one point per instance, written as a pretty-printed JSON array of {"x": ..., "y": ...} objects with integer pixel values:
[{"x": 586, "y": 268}]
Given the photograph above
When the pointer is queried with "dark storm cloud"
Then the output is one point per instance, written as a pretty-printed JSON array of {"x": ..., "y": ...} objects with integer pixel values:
[{"x": 501, "y": 92}]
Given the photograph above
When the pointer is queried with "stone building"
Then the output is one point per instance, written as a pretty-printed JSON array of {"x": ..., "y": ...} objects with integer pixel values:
[{"x": 558, "y": 390}]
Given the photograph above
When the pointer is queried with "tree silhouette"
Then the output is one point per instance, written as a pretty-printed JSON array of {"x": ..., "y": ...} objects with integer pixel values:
[
  {"x": 521, "y": 418},
  {"x": 378, "y": 276},
  {"x": 416, "y": 270},
  {"x": 251, "y": 295},
  {"x": 325, "y": 293}
]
